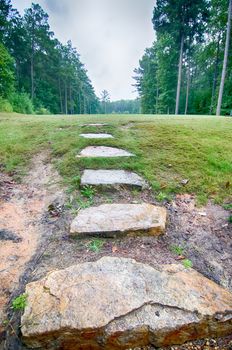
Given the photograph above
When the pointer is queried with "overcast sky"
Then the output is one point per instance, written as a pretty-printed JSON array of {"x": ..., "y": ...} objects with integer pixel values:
[{"x": 110, "y": 36}]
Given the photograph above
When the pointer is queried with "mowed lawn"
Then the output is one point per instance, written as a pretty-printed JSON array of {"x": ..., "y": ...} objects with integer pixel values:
[{"x": 168, "y": 149}]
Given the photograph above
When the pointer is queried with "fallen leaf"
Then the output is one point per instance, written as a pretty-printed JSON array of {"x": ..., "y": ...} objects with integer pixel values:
[
  {"x": 180, "y": 257},
  {"x": 114, "y": 249}
]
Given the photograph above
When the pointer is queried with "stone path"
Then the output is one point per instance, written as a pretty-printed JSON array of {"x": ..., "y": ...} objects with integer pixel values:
[
  {"x": 118, "y": 303},
  {"x": 103, "y": 151},
  {"x": 97, "y": 136},
  {"x": 112, "y": 177}
]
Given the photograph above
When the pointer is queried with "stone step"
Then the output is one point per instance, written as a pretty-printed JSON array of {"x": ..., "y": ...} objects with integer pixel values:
[
  {"x": 97, "y": 136},
  {"x": 103, "y": 151},
  {"x": 95, "y": 124},
  {"x": 115, "y": 220},
  {"x": 118, "y": 303},
  {"x": 112, "y": 177}
]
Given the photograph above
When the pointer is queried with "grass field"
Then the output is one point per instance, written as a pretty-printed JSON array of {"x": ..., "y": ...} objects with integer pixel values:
[{"x": 168, "y": 149}]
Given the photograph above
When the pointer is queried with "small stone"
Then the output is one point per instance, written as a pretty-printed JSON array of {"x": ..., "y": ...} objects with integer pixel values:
[
  {"x": 103, "y": 151},
  {"x": 110, "y": 220},
  {"x": 201, "y": 213},
  {"x": 13, "y": 257},
  {"x": 97, "y": 136},
  {"x": 184, "y": 182}
]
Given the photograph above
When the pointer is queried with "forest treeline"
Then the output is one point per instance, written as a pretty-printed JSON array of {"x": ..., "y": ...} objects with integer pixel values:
[
  {"x": 124, "y": 107},
  {"x": 38, "y": 74},
  {"x": 188, "y": 69}
]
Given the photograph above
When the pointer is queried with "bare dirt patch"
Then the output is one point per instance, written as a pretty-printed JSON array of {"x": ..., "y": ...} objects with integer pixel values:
[{"x": 22, "y": 208}]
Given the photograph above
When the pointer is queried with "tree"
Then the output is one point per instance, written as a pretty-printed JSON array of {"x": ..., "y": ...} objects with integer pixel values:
[
  {"x": 37, "y": 28},
  {"x": 184, "y": 20},
  {"x": 228, "y": 32},
  {"x": 5, "y": 8},
  {"x": 6, "y": 72},
  {"x": 49, "y": 71},
  {"x": 105, "y": 98}
]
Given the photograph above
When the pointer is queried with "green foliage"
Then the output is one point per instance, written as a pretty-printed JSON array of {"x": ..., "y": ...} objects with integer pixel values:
[
  {"x": 124, "y": 107},
  {"x": 227, "y": 206},
  {"x": 43, "y": 111},
  {"x": 6, "y": 72},
  {"x": 96, "y": 245},
  {"x": 202, "y": 26},
  {"x": 21, "y": 103},
  {"x": 49, "y": 72},
  {"x": 162, "y": 196},
  {"x": 187, "y": 263},
  {"x": 20, "y": 302},
  {"x": 84, "y": 204},
  {"x": 75, "y": 181},
  {"x": 177, "y": 249},
  {"x": 88, "y": 192},
  {"x": 5, "y": 105},
  {"x": 230, "y": 219}
]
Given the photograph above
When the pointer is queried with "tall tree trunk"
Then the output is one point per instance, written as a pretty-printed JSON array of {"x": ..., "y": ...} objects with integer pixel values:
[
  {"x": 156, "y": 101},
  {"x": 61, "y": 102},
  {"x": 84, "y": 105},
  {"x": 32, "y": 61},
  {"x": 179, "y": 75},
  {"x": 79, "y": 101},
  {"x": 65, "y": 97},
  {"x": 215, "y": 75},
  {"x": 187, "y": 89},
  {"x": 70, "y": 99},
  {"x": 220, "y": 95},
  {"x": 32, "y": 71}
]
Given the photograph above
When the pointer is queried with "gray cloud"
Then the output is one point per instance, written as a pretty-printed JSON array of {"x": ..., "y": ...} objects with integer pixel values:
[{"x": 110, "y": 36}]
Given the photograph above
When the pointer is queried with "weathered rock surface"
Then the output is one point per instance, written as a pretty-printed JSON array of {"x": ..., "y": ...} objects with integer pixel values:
[
  {"x": 103, "y": 151},
  {"x": 95, "y": 124},
  {"x": 110, "y": 220},
  {"x": 118, "y": 303},
  {"x": 97, "y": 136},
  {"x": 112, "y": 177}
]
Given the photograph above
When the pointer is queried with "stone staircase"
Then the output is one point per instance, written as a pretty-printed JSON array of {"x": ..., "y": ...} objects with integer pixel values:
[{"x": 118, "y": 303}]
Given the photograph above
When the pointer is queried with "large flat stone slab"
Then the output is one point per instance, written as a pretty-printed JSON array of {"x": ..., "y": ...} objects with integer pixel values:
[
  {"x": 110, "y": 220},
  {"x": 103, "y": 151},
  {"x": 118, "y": 303},
  {"x": 95, "y": 124},
  {"x": 112, "y": 177},
  {"x": 97, "y": 136}
]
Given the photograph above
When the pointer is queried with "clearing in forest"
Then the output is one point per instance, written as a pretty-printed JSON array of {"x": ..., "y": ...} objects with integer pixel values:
[{"x": 185, "y": 161}]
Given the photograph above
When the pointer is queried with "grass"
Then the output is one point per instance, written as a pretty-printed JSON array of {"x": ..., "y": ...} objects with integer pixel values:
[
  {"x": 178, "y": 250},
  {"x": 168, "y": 149},
  {"x": 187, "y": 263},
  {"x": 96, "y": 245},
  {"x": 20, "y": 302}
]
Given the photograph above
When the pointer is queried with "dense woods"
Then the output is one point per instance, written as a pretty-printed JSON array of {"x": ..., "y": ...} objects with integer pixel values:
[
  {"x": 37, "y": 72},
  {"x": 188, "y": 69}
]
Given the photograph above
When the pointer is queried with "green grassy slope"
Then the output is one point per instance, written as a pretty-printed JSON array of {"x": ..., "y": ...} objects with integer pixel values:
[{"x": 168, "y": 149}]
